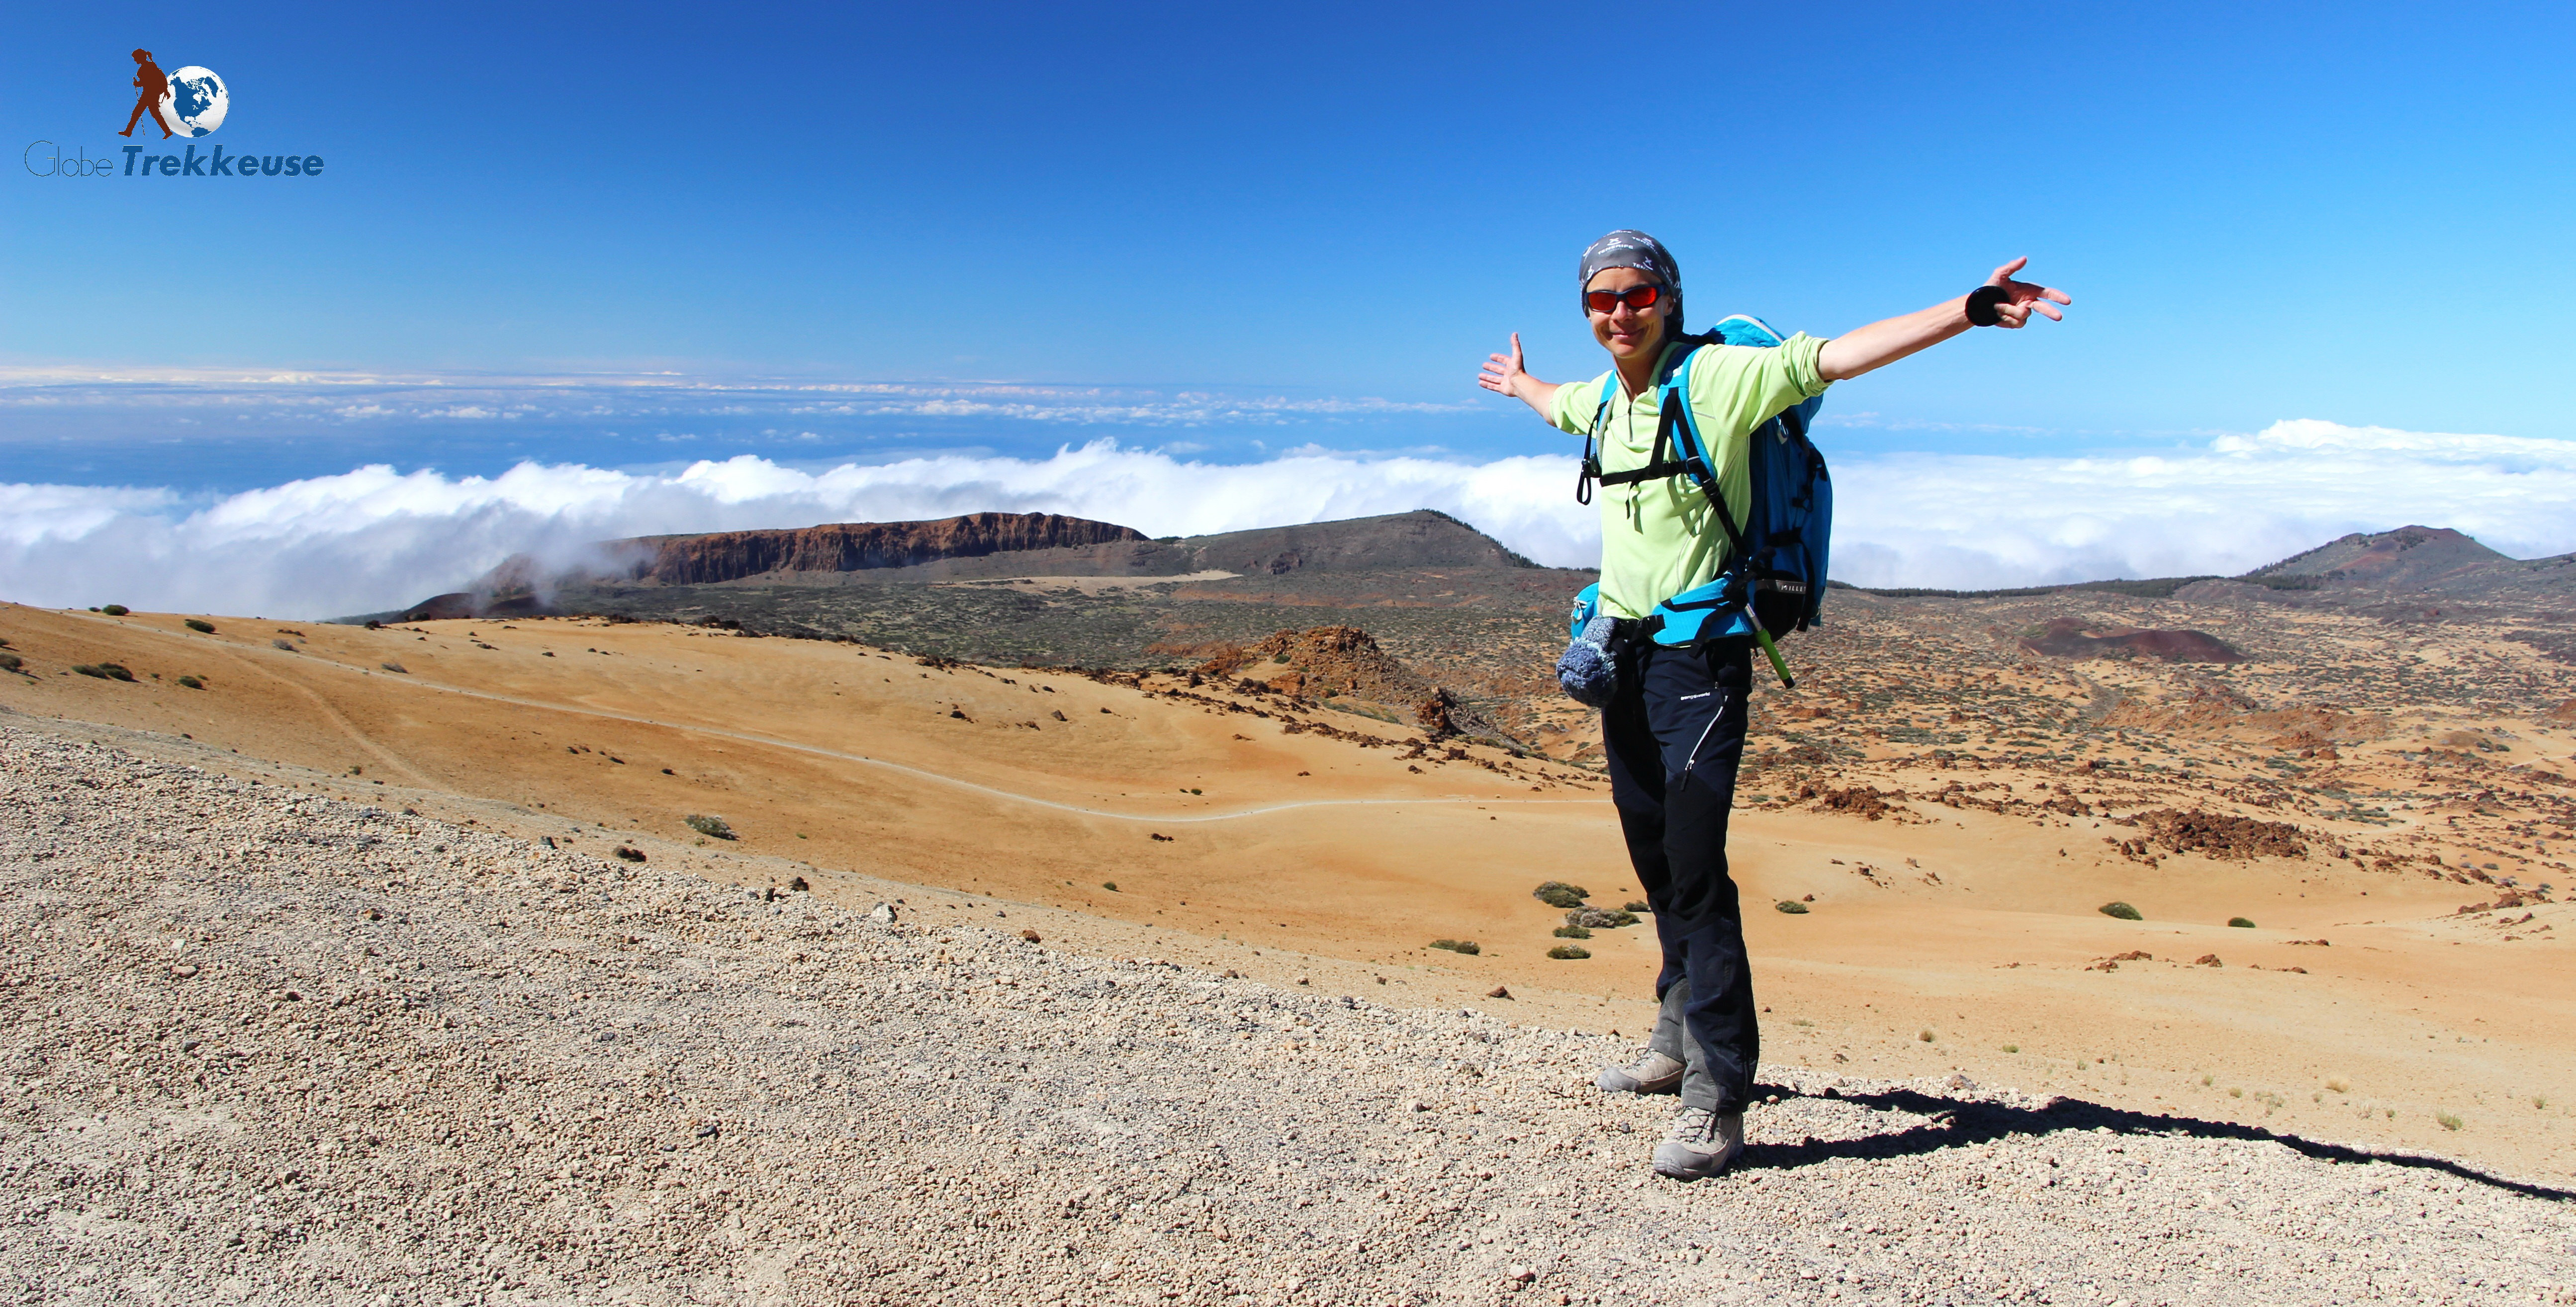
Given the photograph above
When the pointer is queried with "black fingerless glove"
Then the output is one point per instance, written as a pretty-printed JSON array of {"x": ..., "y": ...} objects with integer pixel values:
[{"x": 1981, "y": 306}]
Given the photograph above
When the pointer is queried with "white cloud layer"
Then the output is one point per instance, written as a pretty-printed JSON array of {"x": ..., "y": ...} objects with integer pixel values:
[
  {"x": 361, "y": 398},
  {"x": 372, "y": 539}
]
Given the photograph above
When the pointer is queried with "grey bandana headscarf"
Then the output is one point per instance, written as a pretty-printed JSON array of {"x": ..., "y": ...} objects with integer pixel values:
[{"x": 1635, "y": 249}]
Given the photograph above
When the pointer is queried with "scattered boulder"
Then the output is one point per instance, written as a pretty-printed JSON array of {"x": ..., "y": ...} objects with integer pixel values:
[{"x": 2235, "y": 839}]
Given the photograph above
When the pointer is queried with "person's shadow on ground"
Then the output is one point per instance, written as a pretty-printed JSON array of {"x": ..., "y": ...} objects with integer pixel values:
[{"x": 1958, "y": 1123}]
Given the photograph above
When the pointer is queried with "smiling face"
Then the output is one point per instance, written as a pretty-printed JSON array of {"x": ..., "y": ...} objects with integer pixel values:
[{"x": 1628, "y": 333}]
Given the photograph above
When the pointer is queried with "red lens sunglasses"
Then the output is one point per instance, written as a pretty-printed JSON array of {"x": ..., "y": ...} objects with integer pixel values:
[{"x": 1635, "y": 297}]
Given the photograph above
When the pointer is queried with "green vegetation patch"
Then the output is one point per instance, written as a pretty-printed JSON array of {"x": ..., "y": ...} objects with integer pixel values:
[
  {"x": 192, "y": 683},
  {"x": 1792, "y": 907},
  {"x": 1572, "y": 932},
  {"x": 116, "y": 610},
  {"x": 1466, "y": 946},
  {"x": 711, "y": 827},
  {"x": 104, "y": 671},
  {"x": 1558, "y": 894},
  {"x": 1600, "y": 919},
  {"x": 1564, "y": 952},
  {"x": 201, "y": 626},
  {"x": 2121, "y": 910},
  {"x": 2241, "y": 923}
]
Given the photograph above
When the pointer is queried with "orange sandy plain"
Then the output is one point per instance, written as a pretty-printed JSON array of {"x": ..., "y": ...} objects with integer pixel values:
[{"x": 1306, "y": 857}]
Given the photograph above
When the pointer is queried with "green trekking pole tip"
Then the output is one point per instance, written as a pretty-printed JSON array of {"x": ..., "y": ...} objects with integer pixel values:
[{"x": 1772, "y": 651}]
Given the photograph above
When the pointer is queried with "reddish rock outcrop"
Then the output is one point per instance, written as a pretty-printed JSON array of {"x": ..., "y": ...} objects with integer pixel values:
[
  {"x": 1345, "y": 661},
  {"x": 2218, "y": 835},
  {"x": 2066, "y": 637}
]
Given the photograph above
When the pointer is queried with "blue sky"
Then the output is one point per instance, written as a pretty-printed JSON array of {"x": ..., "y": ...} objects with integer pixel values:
[{"x": 1240, "y": 231}]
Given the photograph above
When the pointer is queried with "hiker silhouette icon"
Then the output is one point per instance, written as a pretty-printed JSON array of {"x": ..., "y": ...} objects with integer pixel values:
[{"x": 154, "y": 88}]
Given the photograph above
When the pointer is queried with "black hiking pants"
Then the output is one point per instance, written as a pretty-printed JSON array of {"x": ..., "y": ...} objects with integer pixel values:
[{"x": 1675, "y": 735}]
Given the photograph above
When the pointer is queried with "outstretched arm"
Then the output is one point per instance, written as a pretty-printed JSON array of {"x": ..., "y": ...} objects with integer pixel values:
[
  {"x": 1504, "y": 375},
  {"x": 1884, "y": 342}
]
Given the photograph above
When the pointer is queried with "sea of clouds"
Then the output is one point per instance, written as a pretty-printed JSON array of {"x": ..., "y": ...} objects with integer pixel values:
[{"x": 372, "y": 539}]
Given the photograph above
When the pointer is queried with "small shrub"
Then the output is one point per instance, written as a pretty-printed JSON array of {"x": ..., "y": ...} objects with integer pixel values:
[
  {"x": 1466, "y": 946},
  {"x": 1565, "y": 952},
  {"x": 1925, "y": 1036},
  {"x": 396, "y": 668},
  {"x": 2121, "y": 910},
  {"x": 116, "y": 610},
  {"x": 1600, "y": 919},
  {"x": 1558, "y": 894},
  {"x": 281, "y": 642},
  {"x": 2540, "y": 1102},
  {"x": 1792, "y": 907},
  {"x": 2240, "y": 923},
  {"x": 2338, "y": 1086},
  {"x": 1572, "y": 932},
  {"x": 1109, "y": 885},
  {"x": 1639, "y": 905},
  {"x": 2012, "y": 1048},
  {"x": 104, "y": 671},
  {"x": 10, "y": 662},
  {"x": 712, "y": 827},
  {"x": 2235, "y": 1093},
  {"x": 2449, "y": 1122},
  {"x": 192, "y": 683},
  {"x": 630, "y": 853},
  {"x": 2207, "y": 1081}
]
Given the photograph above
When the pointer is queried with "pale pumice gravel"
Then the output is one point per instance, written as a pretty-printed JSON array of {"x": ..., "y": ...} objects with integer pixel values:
[{"x": 260, "y": 1046}]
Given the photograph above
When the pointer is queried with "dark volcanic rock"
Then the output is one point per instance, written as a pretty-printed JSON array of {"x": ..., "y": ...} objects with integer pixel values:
[
  {"x": 2066, "y": 637},
  {"x": 2218, "y": 835},
  {"x": 863, "y": 546}
]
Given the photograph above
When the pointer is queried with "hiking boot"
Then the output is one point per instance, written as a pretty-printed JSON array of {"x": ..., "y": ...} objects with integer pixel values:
[
  {"x": 1653, "y": 1074},
  {"x": 1702, "y": 1142}
]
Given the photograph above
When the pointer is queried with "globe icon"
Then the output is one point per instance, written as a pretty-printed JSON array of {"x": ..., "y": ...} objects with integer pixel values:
[{"x": 196, "y": 101}]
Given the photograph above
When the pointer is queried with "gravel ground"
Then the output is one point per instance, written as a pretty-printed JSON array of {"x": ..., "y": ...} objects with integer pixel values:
[{"x": 262, "y": 1046}]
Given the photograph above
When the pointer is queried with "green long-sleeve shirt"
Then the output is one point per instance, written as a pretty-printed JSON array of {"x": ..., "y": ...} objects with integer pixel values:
[{"x": 1659, "y": 538}]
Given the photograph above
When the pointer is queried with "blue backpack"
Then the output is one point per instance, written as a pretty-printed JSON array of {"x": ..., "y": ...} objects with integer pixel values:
[{"x": 1774, "y": 581}]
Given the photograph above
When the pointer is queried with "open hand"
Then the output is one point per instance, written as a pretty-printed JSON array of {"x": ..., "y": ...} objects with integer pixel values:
[
  {"x": 1503, "y": 373},
  {"x": 2021, "y": 298}
]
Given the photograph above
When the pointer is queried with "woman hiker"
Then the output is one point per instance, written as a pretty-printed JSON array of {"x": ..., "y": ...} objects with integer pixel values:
[{"x": 1674, "y": 729}]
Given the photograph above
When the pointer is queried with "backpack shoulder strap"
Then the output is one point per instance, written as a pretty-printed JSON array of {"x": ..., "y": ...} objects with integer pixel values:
[
  {"x": 1677, "y": 421},
  {"x": 1590, "y": 469}
]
